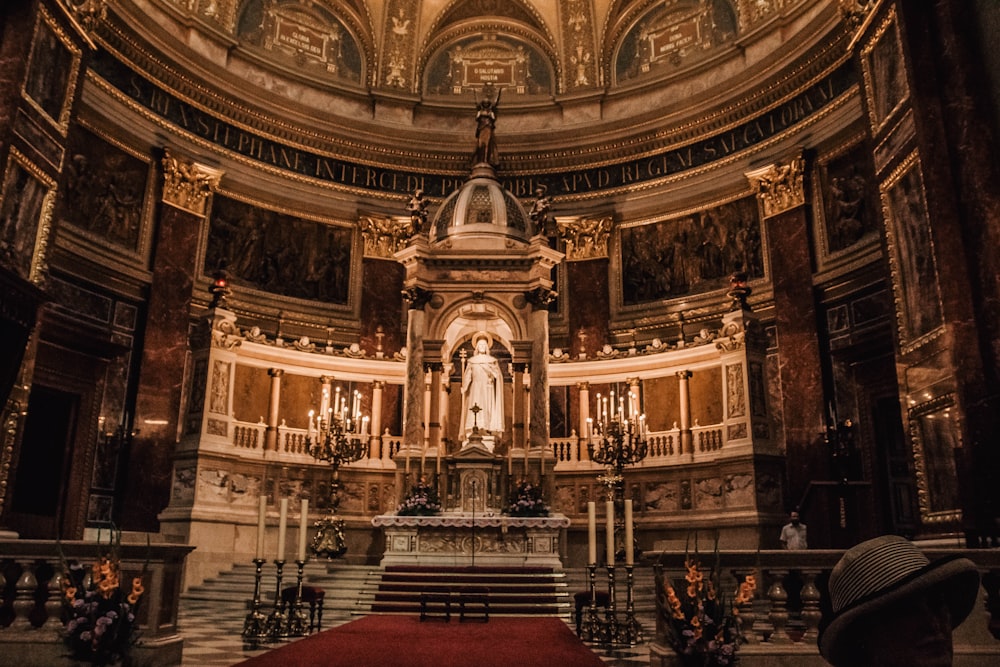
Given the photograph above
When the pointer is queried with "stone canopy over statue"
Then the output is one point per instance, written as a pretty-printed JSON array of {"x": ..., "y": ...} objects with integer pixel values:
[{"x": 482, "y": 392}]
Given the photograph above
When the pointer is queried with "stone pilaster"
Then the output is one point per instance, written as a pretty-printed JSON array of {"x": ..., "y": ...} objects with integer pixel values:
[
  {"x": 165, "y": 347},
  {"x": 781, "y": 194}
]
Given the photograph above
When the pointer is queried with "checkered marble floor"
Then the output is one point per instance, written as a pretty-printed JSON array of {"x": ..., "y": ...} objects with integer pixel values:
[{"x": 213, "y": 638}]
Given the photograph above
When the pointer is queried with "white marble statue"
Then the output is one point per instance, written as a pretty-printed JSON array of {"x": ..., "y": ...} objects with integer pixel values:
[{"x": 482, "y": 387}]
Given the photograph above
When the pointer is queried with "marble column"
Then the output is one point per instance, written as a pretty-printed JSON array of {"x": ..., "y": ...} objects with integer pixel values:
[
  {"x": 585, "y": 428},
  {"x": 413, "y": 391},
  {"x": 273, "y": 401},
  {"x": 538, "y": 333},
  {"x": 375, "y": 442},
  {"x": 186, "y": 188},
  {"x": 684, "y": 399},
  {"x": 781, "y": 196}
]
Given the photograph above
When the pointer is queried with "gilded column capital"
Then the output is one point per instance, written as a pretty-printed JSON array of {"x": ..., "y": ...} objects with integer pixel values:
[
  {"x": 276, "y": 372},
  {"x": 583, "y": 386},
  {"x": 383, "y": 235},
  {"x": 856, "y": 12},
  {"x": 326, "y": 379},
  {"x": 88, "y": 13},
  {"x": 378, "y": 385},
  {"x": 188, "y": 184},
  {"x": 684, "y": 375},
  {"x": 779, "y": 186},
  {"x": 586, "y": 238}
]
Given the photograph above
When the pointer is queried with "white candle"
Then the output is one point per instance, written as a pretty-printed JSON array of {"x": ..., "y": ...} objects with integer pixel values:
[
  {"x": 282, "y": 528},
  {"x": 304, "y": 529},
  {"x": 592, "y": 533},
  {"x": 629, "y": 550},
  {"x": 261, "y": 522},
  {"x": 610, "y": 511}
]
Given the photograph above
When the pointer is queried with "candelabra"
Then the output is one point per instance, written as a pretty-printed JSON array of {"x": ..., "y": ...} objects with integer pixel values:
[
  {"x": 297, "y": 621},
  {"x": 336, "y": 440},
  {"x": 617, "y": 442},
  {"x": 255, "y": 625}
]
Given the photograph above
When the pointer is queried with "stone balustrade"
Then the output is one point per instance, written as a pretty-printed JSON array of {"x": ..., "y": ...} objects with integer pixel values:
[
  {"x": 782, "y": 623},
  {"x": 31, "y": 605}
]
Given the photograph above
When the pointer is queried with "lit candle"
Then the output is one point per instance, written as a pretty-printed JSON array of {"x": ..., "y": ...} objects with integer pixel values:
[
  {"x": 304, "y": 529},
  {"x": 364, "y": 426},
  {"x": 610, "y": 511},
  {"x": 282, "y": 528},
  {"x": 336, "y": 401},
  {"x": 629, "y": 550},
  {"x": 261, "y": 522},
  {"x": 592, "y": 533},
  {"x": 312, "y": 427}
]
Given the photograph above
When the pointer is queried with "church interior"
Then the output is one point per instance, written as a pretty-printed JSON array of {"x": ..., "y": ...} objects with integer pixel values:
[{"x": 568, "y": 285}]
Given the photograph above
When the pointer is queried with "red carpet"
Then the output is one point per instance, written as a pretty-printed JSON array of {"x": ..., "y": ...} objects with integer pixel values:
[{"x": 403, "y": 641}]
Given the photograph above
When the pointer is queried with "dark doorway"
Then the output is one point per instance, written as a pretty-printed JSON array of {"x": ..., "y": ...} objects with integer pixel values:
[{"x": 41, "y": 478}]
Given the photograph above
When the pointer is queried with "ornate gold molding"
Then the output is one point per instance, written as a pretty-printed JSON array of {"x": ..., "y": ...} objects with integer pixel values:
[
  {"x": 586, "y": 238},
  {"x": 779, "y": 186},
  {"x": 188, "y": 184}
]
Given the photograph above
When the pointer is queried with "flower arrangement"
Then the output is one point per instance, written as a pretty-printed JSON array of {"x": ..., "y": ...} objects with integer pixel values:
[
  {"x": 696, "y": 623},
  {"x": 100, "y": 625},
  {"x": 526, "y": 500},
  {"x": 422, "y": 501}
]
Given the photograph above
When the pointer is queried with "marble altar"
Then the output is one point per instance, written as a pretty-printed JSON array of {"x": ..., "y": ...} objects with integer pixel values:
[{"x": 466, "y": 539}]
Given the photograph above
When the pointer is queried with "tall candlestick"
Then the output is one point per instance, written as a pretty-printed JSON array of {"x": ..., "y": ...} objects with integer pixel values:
[
  {"x": 591, "y": 533},
  {"x": 303, "y": 528},
  {"x": 610, "y": 511},
  {"x": 282, "y": 528},
  {"x": 261, "y": 522},
  {"x": 629, "y": 549}
]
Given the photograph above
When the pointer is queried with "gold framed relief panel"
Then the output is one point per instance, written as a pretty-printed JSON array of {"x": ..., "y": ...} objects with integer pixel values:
[
  {"x": 844, "y": 189},
  {"x": 53, "y": 68},
  {"x": 107, "y": 193},
  {"x": 283, "y": 253},
  {"x": 935, "y": 436},
  {"x": 27, "y": 195},
  {"x": 884, "y": 69},
  {"x": 912, "y": 258}
]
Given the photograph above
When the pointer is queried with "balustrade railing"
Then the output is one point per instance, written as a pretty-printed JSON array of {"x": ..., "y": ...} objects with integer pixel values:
[
  {"x": 791, "y": 597},
  {"x": 31, "y": 598}
]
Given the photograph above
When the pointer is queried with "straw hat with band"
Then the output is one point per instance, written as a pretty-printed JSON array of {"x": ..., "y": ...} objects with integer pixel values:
[{"x": 879, "y": 573}]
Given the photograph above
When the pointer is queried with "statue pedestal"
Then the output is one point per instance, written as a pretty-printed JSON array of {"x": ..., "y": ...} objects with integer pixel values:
[
  {"x": 461, "y": 539},
  {"x": 477, "y": 476}
]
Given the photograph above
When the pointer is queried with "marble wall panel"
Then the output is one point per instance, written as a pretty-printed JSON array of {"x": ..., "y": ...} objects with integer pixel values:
[
  {"x": 589, "y": 309},
  {"x": 706, "y": 396},
  {"x": 661, "y": 402},
  {"x": 250, "y": 393}
]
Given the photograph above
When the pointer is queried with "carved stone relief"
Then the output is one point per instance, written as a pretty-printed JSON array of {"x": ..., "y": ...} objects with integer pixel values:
[
  {"x": 690, "y": 254},
  {"x": 279, "y": 253}
]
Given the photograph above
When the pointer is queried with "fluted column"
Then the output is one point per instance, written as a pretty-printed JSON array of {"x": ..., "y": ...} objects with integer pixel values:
[{"x": 273, "y": 401}]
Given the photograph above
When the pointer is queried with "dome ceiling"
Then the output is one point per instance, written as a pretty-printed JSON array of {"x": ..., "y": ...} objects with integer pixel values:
[{"x": 392, "y": 84}]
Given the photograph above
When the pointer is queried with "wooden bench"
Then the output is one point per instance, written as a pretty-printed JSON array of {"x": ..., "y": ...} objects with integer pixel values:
[
  {"x": 435, "y": 606},
  {"x": 474, "y": 604}
]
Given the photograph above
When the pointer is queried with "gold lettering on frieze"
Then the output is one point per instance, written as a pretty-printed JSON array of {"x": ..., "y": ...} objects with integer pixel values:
[
  {"x": 187, "y": 184},
  {"x": 779, "y": 186},
  {"x": 586, "y": 238}
]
